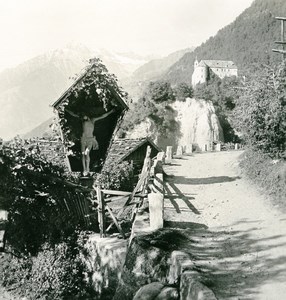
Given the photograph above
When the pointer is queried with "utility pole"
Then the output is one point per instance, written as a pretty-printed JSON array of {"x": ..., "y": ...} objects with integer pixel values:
[{"x": 282, "y": 41}]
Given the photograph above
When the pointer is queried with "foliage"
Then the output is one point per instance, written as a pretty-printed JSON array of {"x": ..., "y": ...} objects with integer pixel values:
[
  {"x": 97, "y": 90},
  {"x": 57, "y": 272},
  {"x": 32, "y": 191},
  {"x": 117, "y": 176},
  {"x": 260, "y": 113},
  {"x": 164, "y": 119},
  {"x": 223, "y": 94},
  {"x": 154, "y": 106},
  {"x": 183, "y": 91},
  {"x": 159, "y": 91}
]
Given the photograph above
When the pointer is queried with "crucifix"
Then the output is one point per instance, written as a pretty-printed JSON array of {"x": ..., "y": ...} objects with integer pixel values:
[{"x": 88, "y": 140}]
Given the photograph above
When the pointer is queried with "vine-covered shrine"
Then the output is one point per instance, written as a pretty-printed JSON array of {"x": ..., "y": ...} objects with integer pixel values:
[{"x": 89, "y": 113}]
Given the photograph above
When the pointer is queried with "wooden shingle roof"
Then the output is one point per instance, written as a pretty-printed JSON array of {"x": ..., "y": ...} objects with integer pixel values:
[
  {"x": 80, "y": 79},
  {"x": 122, "y": 148}
]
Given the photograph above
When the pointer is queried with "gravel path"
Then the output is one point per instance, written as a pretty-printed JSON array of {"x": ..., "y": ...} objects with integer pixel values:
[{"x": 239, "y": 238}]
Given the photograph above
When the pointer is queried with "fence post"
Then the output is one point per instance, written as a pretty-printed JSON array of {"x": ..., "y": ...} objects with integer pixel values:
[
  {"x": 169, "y": 153},
  {"x": 180, "y": 151},
  {"x": 101, "y": 211},
  {"x": 161, "y": 156},
  {"x": 189, "y": 149},
  {"x": 156, "y": 207}
]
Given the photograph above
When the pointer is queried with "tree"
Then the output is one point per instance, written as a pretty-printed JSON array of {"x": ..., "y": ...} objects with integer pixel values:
[
  {"x": 260, "y": 113},
  {"x": 159, "y": 91},
  {"x": 183, "y": 91}
]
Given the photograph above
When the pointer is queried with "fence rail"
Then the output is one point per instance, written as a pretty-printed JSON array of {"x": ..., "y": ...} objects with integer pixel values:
[{"x": 87, "y": 204}]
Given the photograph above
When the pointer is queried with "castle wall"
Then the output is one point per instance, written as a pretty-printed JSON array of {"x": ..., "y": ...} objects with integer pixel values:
[
  {"x": 224, "y": 72},
  {"x": 200, "y": 75}
]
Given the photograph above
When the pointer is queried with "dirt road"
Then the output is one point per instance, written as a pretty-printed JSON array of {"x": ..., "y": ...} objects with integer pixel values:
[{"x": 238, "y": 237}]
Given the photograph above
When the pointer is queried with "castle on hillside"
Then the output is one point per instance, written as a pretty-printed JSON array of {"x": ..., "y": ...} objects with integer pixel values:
[{"x": 221, "y": 68}]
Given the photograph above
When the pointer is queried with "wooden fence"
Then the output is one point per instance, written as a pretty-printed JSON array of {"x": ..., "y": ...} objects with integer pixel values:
[
  {"x": 133, "y": 200},
  {"x": 95, "y": 204}
]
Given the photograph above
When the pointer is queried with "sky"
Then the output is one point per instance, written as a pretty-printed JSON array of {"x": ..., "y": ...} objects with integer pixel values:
[{"x": 32, "y": 27}]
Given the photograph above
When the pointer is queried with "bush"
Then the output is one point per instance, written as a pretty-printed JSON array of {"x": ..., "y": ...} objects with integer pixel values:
[
  {"x": 159, "y": 91},
  {"x": 57, "y": 272},
  {"x": 183, "y": 91},
  {"x": 32, "y": 191},
  {"x": 117, "y": 176},
  {"x": 154, "y": 106}
]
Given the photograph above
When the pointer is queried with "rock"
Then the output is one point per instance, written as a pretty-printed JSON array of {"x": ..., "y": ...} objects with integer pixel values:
[
  {"x": 147, "y": 260},
  {"x": 199, "y": 122},
  {"x": 177, "y": 257},
  {"x": 199, "y": 125},
  {"x": 168, "y": 293},
  {"x": 149, "y": 291},
  {"x": 142, "y": 130},
  {"x": 192, "y": 288}
]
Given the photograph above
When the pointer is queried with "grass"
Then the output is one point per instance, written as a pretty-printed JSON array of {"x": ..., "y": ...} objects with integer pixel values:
[{"x": 267, "y": 173}]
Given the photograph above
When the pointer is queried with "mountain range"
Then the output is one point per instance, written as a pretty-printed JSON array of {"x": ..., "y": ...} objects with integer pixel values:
[{"x": 27, "y": 89}]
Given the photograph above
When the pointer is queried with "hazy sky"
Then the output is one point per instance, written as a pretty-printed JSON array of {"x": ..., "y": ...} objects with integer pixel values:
[{"x": 31, "y": 27}]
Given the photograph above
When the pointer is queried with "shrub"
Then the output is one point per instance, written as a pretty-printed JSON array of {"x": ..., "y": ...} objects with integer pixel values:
[
  {"x": 117, "y": 176},
  {"x": 32, "y": 191},
  {"x": 159, "y": 91},
  {"x": 183, "y": 91},
  {"x": 155, "y": 106},
  {"x": 56, "y": 272}
]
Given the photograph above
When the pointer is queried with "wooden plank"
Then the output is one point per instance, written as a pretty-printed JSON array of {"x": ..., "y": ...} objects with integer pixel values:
[
  {"x": 117, "y": 193},
  {"x": 76, "y": 205},
  {"x": 101, "y": 211},
  {"x": 70, "y": 203},
  {"x": 281, "y": 18},
  {"x": 81, "y": 200},
  {"x": 115, "y": 221},
  {"x": 141, "y": 184},
  {"x": 80, "y": 204},
  {"x": 279, "y": 51},
  {"x": 113, "y": 199}
]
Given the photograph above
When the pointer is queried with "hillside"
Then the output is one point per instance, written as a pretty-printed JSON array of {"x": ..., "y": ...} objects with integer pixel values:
[
  {"x": 27, "y": 90},
  {"x": 156, "y": 67},
  {"x": 41, "y": 130},
  {"x": 247, "y": 40},
  {"x": 151, "y": 71}
]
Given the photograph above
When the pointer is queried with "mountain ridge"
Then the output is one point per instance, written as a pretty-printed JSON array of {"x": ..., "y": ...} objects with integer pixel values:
[
  {"x": 248, "y": 40},
  {"x": 27, "y": 90}
]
